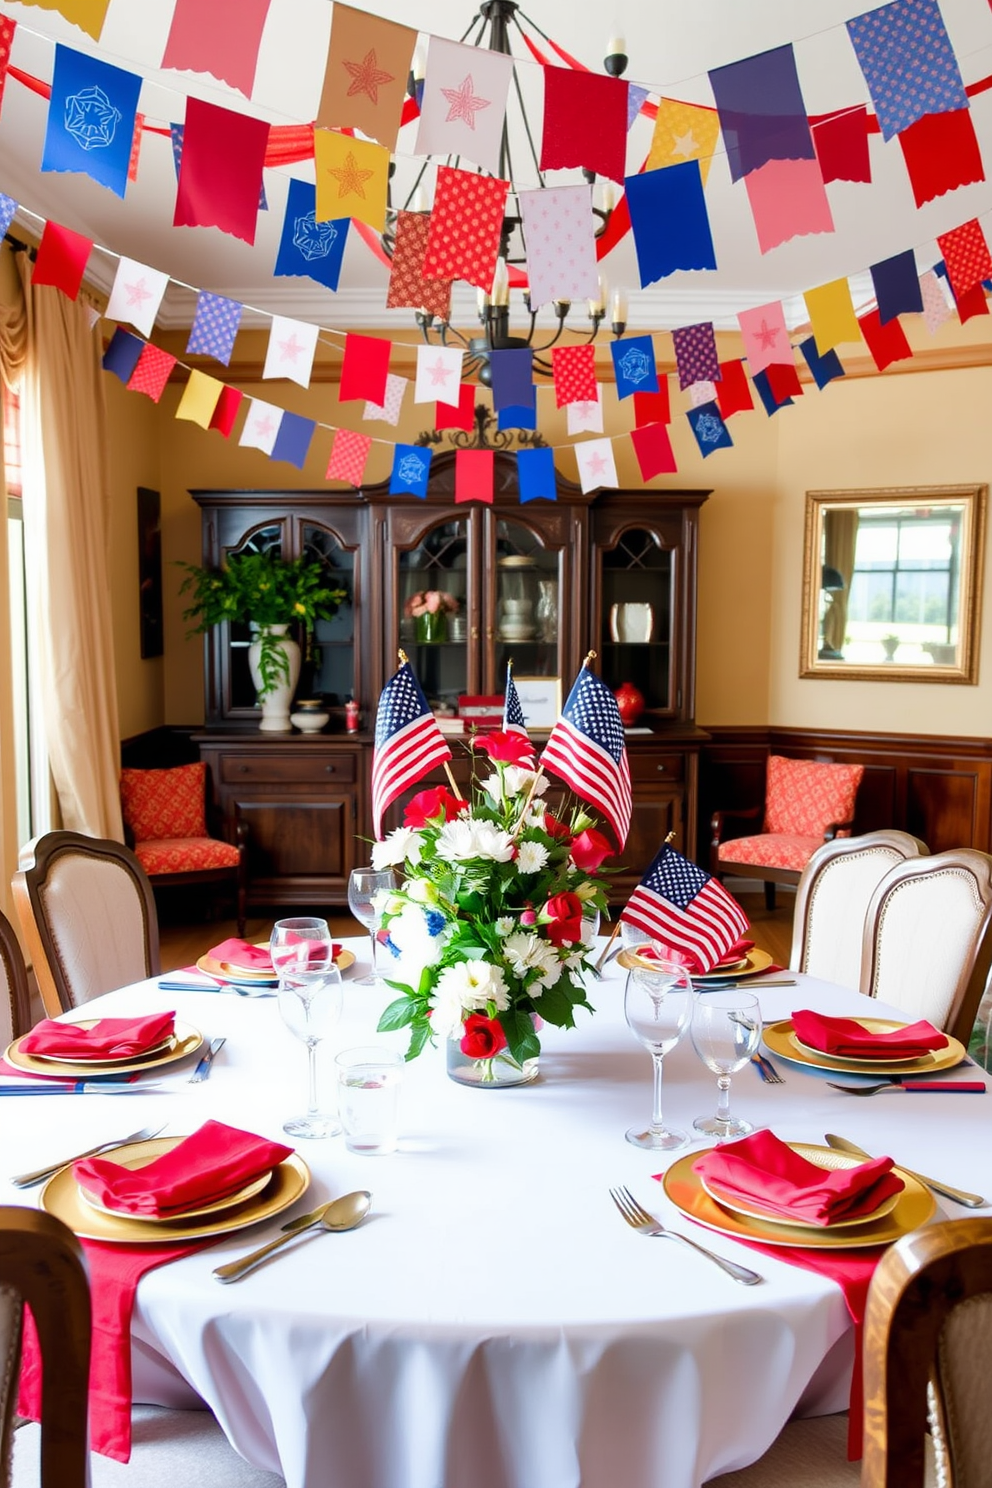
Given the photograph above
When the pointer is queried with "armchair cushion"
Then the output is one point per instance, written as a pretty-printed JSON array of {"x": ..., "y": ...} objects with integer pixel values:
[
  {"x": 185, "y": 855},
  {"x": 165, "y": 804},
  {"x": 771, "y": 850},
  {"x": 804, "y": 797}
]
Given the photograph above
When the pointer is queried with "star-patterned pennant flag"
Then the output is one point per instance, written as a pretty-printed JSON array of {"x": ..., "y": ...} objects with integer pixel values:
[
  {"x": 762, "y": 112},
  {"x": 221, "y": 38},
  {"x": 936, "y": 309},
  {"x": 887, "y": 343},
  {"x": 585, "y": 122},
  {"x": 908, "y": 63},
  {"x": 732, "y": 391},
  {"x": 364, "y": 369},
  {"x": 291, "y": 348},
  {"x": 696, "y": 354},
  {"x": 61, "y": 260},
  {"x": 634, "y": 366},
  {"x": 941, "y": 152},
  {"x": 897, "y": 286},
  {"x": 349, "y": 454},
  {"x": 122, "y": 353},
  {"x": 226, "y": 412},
  {"x": 787, "y": 200},
  {"x": 683, "y": 131},
  {"x": 152, "y": 371},
  {"x": 91, "y": 115},
  {"x": 574, "y": 370},
  {"x": 465, "y": 227},
  {"x": 200, "y": 397},
  {"x": 841, "y": 144},
  {"x": 966, "y": 257},
  {"x": 823, "y": 368},
  {"x": 136, "y": 295},
  {"x": 214, "y": 327},
  {"x": 536, "y": 475},
  {"x": 766, "y": 338},
  {"x": 669, "y": 221},
  {"x": 783, "y": 379},
  {"x": 474, "y": 476},
  {"x": 702, "y": 392},
  {"x": 831, "y": 315},
  {"x": 439, "y": 374},
  {"x": 447, "y": 416},
  {"x": 368, "y": 63},
  {"x": 8, "y": 207},
  {"x": 587, "y": 417},
  {"x": 352, "y": 178},
  {"x": 654, "y": 452},
  {"x": 220, "y": 174},
  {"x": 653, "y": 408},
  {"x": 770, "y": 401},
  {"x": 597, "y": 467},
  {"x": 389, "y": 410},
  {"x": 261, "y": 426},
  {"x": 710, "y": 430},
  {"x": 411, "y": 470},
  {"x": 88, "y": 15},
  {"x": 293, "y": 439},
  {"x": 559, "y": 230},
  {"x": 308, "y": 248},
  {"x": 463, "y": 105},
  {"x": 512, "y": 377},
  {"x": 408, "y": 285}
]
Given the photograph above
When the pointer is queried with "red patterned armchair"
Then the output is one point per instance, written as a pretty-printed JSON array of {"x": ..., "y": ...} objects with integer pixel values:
[
  {"x": 807, "y": 803},
  {"x": 165, "y": 824}
]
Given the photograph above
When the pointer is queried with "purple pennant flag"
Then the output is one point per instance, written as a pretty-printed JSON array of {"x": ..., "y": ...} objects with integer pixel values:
[
  {"x": 909, "y": 64},
  {"x": 513, "y": 377},
  {"x": 122, "y": 353},
  {"x": 669, "y": 221},
  {"x": 897, "y": 286},
  {"x": 215, "y": 326},
  {"x": 762, "y": 113},
  {"x": 696, "y": 354},
  {"x": 635, "y": 101},
  {"x": 293, "y": 439}
]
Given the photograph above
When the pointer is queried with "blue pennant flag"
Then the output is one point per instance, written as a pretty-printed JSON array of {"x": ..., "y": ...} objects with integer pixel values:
[
  {"x": 634, "y": 365},
  {"x": 897, "y": 286},
  {"x": 710, "y": 430},
  {"x": 512, "y": 378},
  {"x": 536, "y": 475},
  {"x": 669, "y": 221},
  {"x": 411, "y": 469},
  {"x": 293, "y": 439},
  {"x": 215, "y": 325},
  {"x": 308, "y": 248},
  {"x": 823, "y": 368},
  {"x": 517, "y": 417},
  {"x": 8, "y": 207},
  {"x": 122, "y": 353},
  {"x": 91, "y": 118},
  {"x": 767, "y": 394}
]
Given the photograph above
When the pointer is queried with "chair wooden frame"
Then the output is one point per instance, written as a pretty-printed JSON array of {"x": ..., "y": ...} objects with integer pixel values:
[
  {"x": 41, "y": 1259},
  {"x": 822, "y": 860},
  {"x": 36, "y": 862},
  {"x": 974, "y": 974},
  {"x": 14, "y": 974},
  {"x": 721, "y": 867}
]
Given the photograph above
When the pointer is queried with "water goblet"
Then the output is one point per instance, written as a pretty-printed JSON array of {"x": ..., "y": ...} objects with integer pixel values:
[
  {"x": 725, "y": 1031},
  {"x": 302, "y": 954},
  {"x": 364, "y": 886},
  {"x": 658, "y": 1006}
]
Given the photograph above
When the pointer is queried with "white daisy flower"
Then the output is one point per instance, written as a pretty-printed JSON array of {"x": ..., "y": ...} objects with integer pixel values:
[
  {"x": 399, "y": 846},
  {"x": 531, "y": 857}
]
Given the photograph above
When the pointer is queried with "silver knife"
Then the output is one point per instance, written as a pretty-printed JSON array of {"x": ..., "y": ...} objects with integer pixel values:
[
  {"x": 202, "y": 1071},
  {"x": 959, "y": 1195}
]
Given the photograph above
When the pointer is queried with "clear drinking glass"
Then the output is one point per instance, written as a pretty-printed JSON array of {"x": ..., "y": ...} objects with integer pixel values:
[
  {"x": 310, "y": 1003},
  {"x": 658, "y": 1006},
  {"x": 368, "y": 1099},
  {"x": 364, "y": 884},
  {"x": 726, "y": 1031}
]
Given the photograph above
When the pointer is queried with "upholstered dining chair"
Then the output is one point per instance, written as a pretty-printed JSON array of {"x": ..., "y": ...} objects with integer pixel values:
[
  {"x": 807, "y": 802},
  {"x": 832, "y": 901},
  {"x": 15, "y": 1004},
  {"x": 88, "y": 916},
  {"x": 927, "y": 944}
]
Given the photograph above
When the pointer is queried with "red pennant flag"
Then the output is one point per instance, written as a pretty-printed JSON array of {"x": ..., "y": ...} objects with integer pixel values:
[
  {"x": 474, "y": 476},
  {"x": 61, "y": 260},
  {"x": 585, "y": 122},
  {"x": 152, "y": 371},
  {"x": 221, "y": 38},
  {"x": 132, "y": 165},
  {"x": 447, "y": 416},
  {"x": 966, "y": 257},
  {"x": 226, "y": 410},
  {"x": 348, "y": 456},
  {"x": 841, "y": 144},
  {"x": 783, "y": 379},
  {"x": 887, "y": 343},
  {"x": 574, "y": 370},
  {"x": 7, "y": 29},
  {"x": 941, "y": 153},
  {"x": 653, "y": 449},
  {"x": 364, "y": 369},
  {"x": 733, "y": 391},
  {"x": 972, "y": 303},
  {"x": 220, "y": 173},
  {"x": 653, "y": 408}
]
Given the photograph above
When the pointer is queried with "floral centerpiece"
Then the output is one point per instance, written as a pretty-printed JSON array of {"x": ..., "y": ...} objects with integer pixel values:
[
  {"x": 430, "y": 609},
  {"x": 490, "y": 925}
]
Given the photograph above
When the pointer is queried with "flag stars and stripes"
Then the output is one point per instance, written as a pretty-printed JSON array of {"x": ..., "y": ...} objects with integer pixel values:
[{"x": 408, "y": 742}]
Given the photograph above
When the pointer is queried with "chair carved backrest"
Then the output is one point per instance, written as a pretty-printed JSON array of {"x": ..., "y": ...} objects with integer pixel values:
[
  {"x": 928, "y": 1354},
  {"x": 832, "y": 901},
  {"x": 88, "y": 915},
  {"x": 15, "y": 1003},
  {"x": 927, "y": 947}
]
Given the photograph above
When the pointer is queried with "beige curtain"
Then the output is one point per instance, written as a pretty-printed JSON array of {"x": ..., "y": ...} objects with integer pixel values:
[
  {"x": 840, "y": 539},
  {"x": 13, "y": 349},
  {"x": 66, "y": 519}
]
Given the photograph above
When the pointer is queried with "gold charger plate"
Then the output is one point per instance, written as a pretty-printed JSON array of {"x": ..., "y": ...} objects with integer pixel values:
[
  {"x": 781, "y": 1039},
  {"x": 63, "y": 1197},
  {"x": 751, "y": 1209},
  {"x": 226, "y": 971},
  {"x": 754, "y": 962},
  {"x": 246, "y": 1192},
  {"x": 186, "y": 1040},
  {"x": 914, "y": 1206}
]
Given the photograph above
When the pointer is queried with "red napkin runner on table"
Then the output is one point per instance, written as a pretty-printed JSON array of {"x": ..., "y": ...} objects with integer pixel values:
[
  {"x": 110, "y": 1038},
  {"x": 845, "y": 1037}
]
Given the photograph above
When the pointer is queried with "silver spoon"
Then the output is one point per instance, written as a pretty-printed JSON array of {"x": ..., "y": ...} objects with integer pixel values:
[{"x": 343, "y": 1214}]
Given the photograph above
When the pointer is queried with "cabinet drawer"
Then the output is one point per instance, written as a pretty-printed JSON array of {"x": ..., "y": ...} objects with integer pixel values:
[
  {"x": 656, "y": 766},
  {"x": 235, "y": 768}
]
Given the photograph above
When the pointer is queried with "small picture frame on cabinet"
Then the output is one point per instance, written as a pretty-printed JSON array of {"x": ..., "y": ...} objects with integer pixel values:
[{"x": 540, "y": 700}]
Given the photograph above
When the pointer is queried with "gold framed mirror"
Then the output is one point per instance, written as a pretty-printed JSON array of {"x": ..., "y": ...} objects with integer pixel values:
[{"x": 892, "y": 584}]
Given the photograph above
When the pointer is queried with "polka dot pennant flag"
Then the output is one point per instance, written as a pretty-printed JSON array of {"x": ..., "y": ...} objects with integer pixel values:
[
  {"x": 574, "y": 370},
  {"x": 349, "y": 453},
  {"x": 214, "y": 327},
  {"x": 966, "y": 256},
  {"x": 152, "y": 372},
  {"x": 696, "y": 354},
  {"x": 465, "y": 227}
]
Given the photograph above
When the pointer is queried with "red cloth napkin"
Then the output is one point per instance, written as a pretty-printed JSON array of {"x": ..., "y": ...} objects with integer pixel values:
[
  {"x": 845, "y": 1037},
  {"x": 241, "y": 953},
  {"x": 214, "y": 1162},
  {"x": 655, "y": 950},
  {"x": 765, "y": 1169},
  {"x": 110, "y": 1038}
]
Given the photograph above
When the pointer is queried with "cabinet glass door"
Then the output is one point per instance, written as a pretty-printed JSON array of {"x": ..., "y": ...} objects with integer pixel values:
[
  {"x": 267, "y": 539},
  {"x": 433, "y": 598},
  {"x": 636, "y": 641},
  {"x": 527, "y": 626},
  {"x": 328, "y": 669}
]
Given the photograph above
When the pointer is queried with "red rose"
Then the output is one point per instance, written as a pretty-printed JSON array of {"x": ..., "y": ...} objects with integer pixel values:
[
  {"x": 483, "y": 1037},
  {"x": 508, "y": 748},
  {"x": 563, "y": 916},
  {"x": 427, "y": 805},
  {"x": 590, "y": 849},
  {"x": 556, "y": 829}
]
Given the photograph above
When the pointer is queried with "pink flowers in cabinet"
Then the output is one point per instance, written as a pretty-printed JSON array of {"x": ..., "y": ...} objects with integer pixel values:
[{"x": 431, "y": 602}]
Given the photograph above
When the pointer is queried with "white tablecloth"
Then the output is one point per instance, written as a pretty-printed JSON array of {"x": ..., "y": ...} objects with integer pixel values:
[{"x": 494, "y": 1324}]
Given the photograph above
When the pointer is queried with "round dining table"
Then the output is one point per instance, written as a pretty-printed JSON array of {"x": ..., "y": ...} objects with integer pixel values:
[{"x": 494, "y": 1323}]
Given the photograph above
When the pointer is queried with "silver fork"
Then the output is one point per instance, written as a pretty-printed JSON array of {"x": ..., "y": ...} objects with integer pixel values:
[
  {"x": 28, "y": 1180},
  {"x": 645, "y": 1224}
]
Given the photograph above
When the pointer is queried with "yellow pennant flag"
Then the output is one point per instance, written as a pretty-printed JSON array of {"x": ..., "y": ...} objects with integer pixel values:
[
  {"x": 831, "y": 315},
  {"x": 352, "y": 176},
  {"x": 684, "y": 131},
  {"x": 199, "y": 399},
  {"x": 88, "y": 15}
]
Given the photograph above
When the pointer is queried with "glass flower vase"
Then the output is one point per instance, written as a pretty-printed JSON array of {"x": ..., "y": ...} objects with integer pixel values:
[
  {"x": 432, "y": 627},
  {"x": 497, "y": 1073}
]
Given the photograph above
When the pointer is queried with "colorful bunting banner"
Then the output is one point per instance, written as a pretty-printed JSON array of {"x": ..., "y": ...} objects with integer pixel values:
[
  {"x": 309, "y": 249},
  {"x": 215, "y": 325},
  {"x": 136, "y": 295},
  {"x": 783, "y": 379},
  {"x": 941, "y": 153},
  {"x": 460, "y": 416},
  {"x": 841, "y": 144},
  {"x": 702, "y": 392},
  {"x": 831, "y": 314},
  {"x": 669, "y": 221},
  {"x": 762, "y": 113},
  {"x": 936, "y": 310},
  {"x": 88, "y": 15},
  {"x": 683, "y": 131},
  {"x": 536, "y": 475},
  {"x": 653, "y": 449},
  {"x": 887, "y": 343},
  {"x": 787, "y": 200},
  {"x": 62, "y": 258},
  {"x": 732, "y": 391},
  {"x": 908, "y": 63},
  {"x": 200, "y": 398},
  {"x": 966, "y": 257},
  {"x": 653, "y": 408},
  {"x": 585, "y": 122},
  {"x": 766, "y": 393},
  {"x": 352, "y": 178},
  {"x": 574, "y": 369},
  {"x": 517, "y": 417},
  {"x": 91, "y": 116},
  {"x": 368, "y": 63},
  {"x": 291, "y": 348},
  {"x": 587, "y": 417},
  {"x": 293, "y": 439},
  {"x": 559, "y": 230},
  {"x": 221, "y": 39},
  {"x": 389, "y": 410},
  {"x": 226, "y": 411},
  {"x": 766, "y": 338},
  {"x": 261, "y": 426},
  {"x": 823, "y": 368},
  {"x": 634, "y": 366},
  {"x": 220, "y": 174},
  {"x": 696, "y": 354},
  {"x": 152, "y": 371},
  {"x": 122, "y": 353},
  {"x": 463, "y": 105},
  {"x": 364, "y": 369},
  {"x": 897, "y": 286},
  {"x": 411, "y": 470},
  {"x": 512, "y": 377}
]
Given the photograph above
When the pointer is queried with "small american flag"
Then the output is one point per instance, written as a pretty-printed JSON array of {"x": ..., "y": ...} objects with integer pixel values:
[
  {"x": 681, "y": 905},
  {"x": 587, "y": 750},
  {"x": 408, "y": 742},
  {"x": 513, "y": 714}
]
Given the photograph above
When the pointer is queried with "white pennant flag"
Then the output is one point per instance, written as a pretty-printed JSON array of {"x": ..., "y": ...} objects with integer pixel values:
[
  {"x": 261, "y": 426},
  {"x": 702, "y": 392},
  {"x": 464, "y": 102},
  {"x": 597, "y": 466},
  {"x": 292, "y": 344},
  {"x": 388, "y": 411},
  {"x": 559, "y": 230},
  {"x": 439, "y": 375},
  {"x": 136, "y": 295},
  {"x": 586, "y": 418}
]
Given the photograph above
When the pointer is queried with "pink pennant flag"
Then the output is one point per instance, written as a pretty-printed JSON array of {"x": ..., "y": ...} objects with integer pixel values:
[
  {"x": 389, "y": 410},
  {"x": 61, "y": 260},
  {"x": 463, "y": 106},
  {"x": 348, "y": 456},
  {"x": 586, "y": 417},
  {"x": 221, "y": 38},
  {"x": 788, "y": 200},
  {"x": 597, "y": 466},
  {"x": 151, "y": 372},
  {"x": 766, "y": 338},
  {"x": 702, "y": 392},
  {"x": 136, "y": 295},
  {"x": 559, "y": 230},
  {"x": 291, "y": 348},
  {"x": 936, "y": 310},
  {"x": 261, "y": 426},
  {"x": 220, "y": 173}
]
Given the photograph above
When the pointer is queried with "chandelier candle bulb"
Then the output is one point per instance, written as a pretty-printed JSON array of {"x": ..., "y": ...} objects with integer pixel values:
[
  {"x": 619, "y": 306},
  {"x": 616, "y": 46}
]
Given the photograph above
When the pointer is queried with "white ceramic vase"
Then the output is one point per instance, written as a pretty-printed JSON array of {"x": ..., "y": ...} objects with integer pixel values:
[{"x": 277, "y": 701}]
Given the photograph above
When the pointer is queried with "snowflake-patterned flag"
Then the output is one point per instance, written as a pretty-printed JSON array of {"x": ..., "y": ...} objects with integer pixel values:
[
  {"x": 686, "y": 909},
  {"x": 634, "y": 365},
  {"x": 463, "y": 105},
  {"x": 136, "y": 295},
  {"x": 439, "y": 375},
  {"x": 290, "y": 353},
  {"x": 91, "y": 118},
  {"x": 710, "y": 430},
  {"x": 587, "y": 750},
  {"x": 513, "y": 714},
  {"x": 411, "y": 470},
  {"x": 365, "y": 79},
  {"x": 408, "y": 742},
  {"x": 308, "y": 248}
]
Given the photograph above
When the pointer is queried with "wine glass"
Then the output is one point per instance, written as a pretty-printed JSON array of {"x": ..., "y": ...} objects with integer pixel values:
[
  {"x": 658, "y": 1006},
  {"x": 364, "y": 884},
  {"x": 310, "y": 1003},
  {"x": 726, "y": 1031}
]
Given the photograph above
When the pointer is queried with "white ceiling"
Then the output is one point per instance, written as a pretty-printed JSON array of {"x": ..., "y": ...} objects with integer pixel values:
[{"x": 671, "y": 44}]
